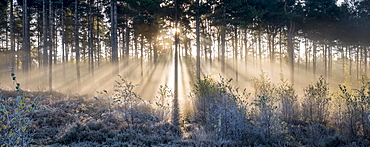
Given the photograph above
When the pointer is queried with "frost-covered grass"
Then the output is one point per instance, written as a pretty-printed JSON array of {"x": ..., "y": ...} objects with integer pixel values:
[{"x": 271, "y": 114}]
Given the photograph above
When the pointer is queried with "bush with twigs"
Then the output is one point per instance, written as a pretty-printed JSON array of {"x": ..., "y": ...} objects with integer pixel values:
[
  {"x": 15, "y": 120},
  {"x": 220, "y": 109}
]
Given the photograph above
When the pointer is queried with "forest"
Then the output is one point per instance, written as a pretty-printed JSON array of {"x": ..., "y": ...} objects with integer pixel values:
[{"x": 184, "y": 73}]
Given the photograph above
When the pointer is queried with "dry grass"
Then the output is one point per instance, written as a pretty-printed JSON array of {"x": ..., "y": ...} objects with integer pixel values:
[{"x": 81, "y": 120}]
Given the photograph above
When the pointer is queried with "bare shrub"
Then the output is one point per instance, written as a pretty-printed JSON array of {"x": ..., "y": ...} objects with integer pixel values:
[
  {"x": 288, "y": 102},
  {"x": 163, "y": 106},
  {"x": 15, "y": 119},
  {"x": 315, "y": 134},
  {"x": 265, "y": 114},
  {"x": 316, "y": 102},
  {"x": 220, "y": 109},
  {"x": 355, "y": 110},
  {"x": 130, "y": 106}
]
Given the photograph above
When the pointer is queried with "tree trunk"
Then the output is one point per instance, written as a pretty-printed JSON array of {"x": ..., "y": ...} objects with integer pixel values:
[
  {"x": 280, "y": 51},
  {"x": 260, "y": 49},
  {"x": 246, "y": 48},
  {"x": 175, "y": 115},
  {"x": 197, "y": 34},
  {"x": 349, "y": 49},
  {"x": 306, "y": 52},
  {"x": 63, "y": 46},
  {"x": 77, "y": 47},
  {"x": 98, "y": 34},
  {"x": 26, "y": 42},
  {"x": 91, "y": 47},
  {"x": 203, "y": 34},
  {"x": 12, "y": 38},
  {"x": 325, "y": 53},
  {"x": 236, "y": 53},
  {"x": 343, "y": 62},
  {"x": 365, "y": 60},
  {"x": 127, "y": 52},
  {"x": 219, "y": 44},
  {"x": 291, "y": 28},
  {"x": 155, "y": 50},
  {"x": 55, "y": 43},
  {"x": 223, "y": 40},
  {"x": 136, "y": 36},
  {"x": 114, "y": 37},
  {"x": 255, "y": 49},
  {"x": 272, "y": 51},
  {"x": 141, "y": 55},
  {"x": 314, "y": 59},
  {"x": 50, "y": 47},
  {"x": 357, "y": 63},
  {"x": 330, "y": 63}
]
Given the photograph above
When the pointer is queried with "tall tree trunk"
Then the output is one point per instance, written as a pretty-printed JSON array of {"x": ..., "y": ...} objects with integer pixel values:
[
  {"x": 136, "y": 36},
  {"x": 50, "y": 47},
  {"x": 26, "y": 42},
  {"x": 155, "y": 50},
  {"x": 357, "y": 63},
  {"x": 122, "y": 32},
  {"x": 365, "y": 60},
  {"x": 343, "y": 61},
  {"x": 55, "y": 37},
  {"x": 260, "y": 49},
  {"x": 197, "y": 34},
  {"x": 210, "y": 54},
  {"x": 39, "y": 55},
  {"x": 255, "y": 49},
  {"x": 12, "y": 38},
  {"x": 280, "y": 51},
  {"x": 114, "y": 37},
  {"x": 204, "y": 40},
  {"x": 91, "y": 47},
  {"x": 63, "y": 46},
  {"x": 269, "y": 36},
  {"x": 219, "y": 44},
  {"x": 306, "y": 52},
  {"x": 127, "y": 52},
  {"x": 291, "y": 28},
  {"x": 141, "y": 55},
  {"x": 175, "y": 115},
  {"x": 98, "y": 34},
  {"x": 314, "y": 59},
  {"x": 349, "y": 50},
  {"x": 236, "y": 54},
  {"x": 246, "y": 48},
  {"x": 223, "y": 39},
  {"x": 18, "y": 49},
  {"x": 271, "y": 49},
  {"x": 325, "y": 57},
  {"x": 77, "y": 47},
  {"x": 330, "y": 63}
]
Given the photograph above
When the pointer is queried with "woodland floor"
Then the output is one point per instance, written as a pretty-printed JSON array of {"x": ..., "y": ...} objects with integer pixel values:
[{"x": 81, "y": 120}]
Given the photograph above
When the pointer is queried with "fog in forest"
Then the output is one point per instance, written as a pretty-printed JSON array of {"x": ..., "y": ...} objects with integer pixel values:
[{"x": 193, "y": 72}]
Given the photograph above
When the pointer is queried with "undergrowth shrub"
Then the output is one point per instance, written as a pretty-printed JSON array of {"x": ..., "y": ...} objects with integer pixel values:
[
  {"x": 15, "y": 119},
  {"x": 288, "y": 98},
  {"x": 356, "y": 110},
  {"x": 220, "y": 109},
  {"x": 264, "y": 108},
  {"x": 163, "y": 102},
  {"x": 315, "y": 103},
  {"x": 129, "y": 119},
  {"x": 132, "y": 108}
]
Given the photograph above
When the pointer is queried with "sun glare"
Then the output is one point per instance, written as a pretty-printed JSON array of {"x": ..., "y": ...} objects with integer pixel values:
[{"x": 175, "y": 30}]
